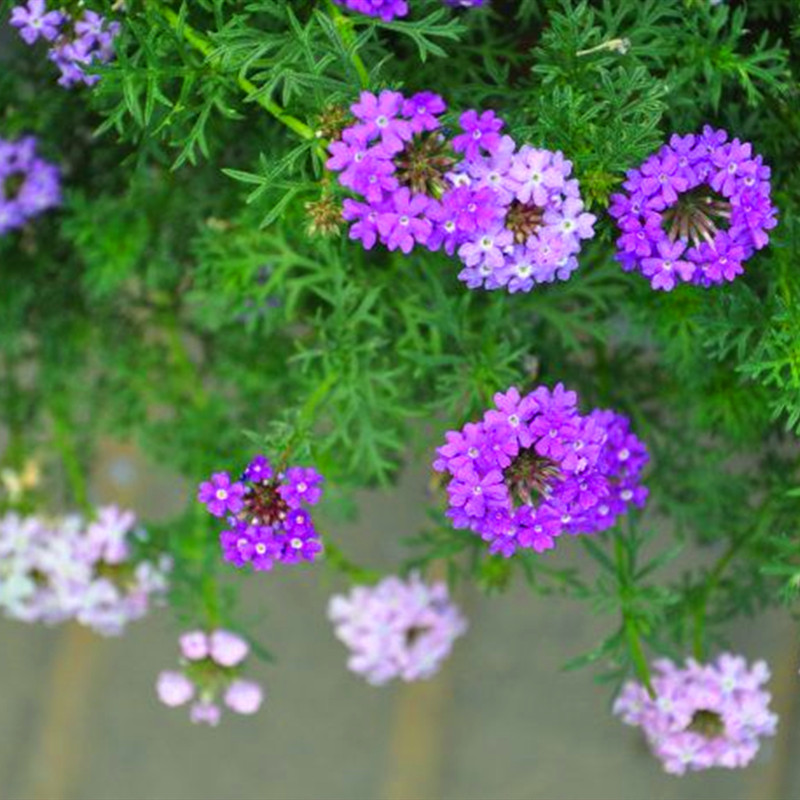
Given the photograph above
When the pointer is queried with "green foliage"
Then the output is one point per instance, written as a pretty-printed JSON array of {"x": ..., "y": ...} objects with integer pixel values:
[{"x": 181, "y": 300}]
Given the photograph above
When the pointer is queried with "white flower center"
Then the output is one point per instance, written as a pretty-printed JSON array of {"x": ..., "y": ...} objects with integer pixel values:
[
  {"x": 222, "y": 494},
  {"x": 382, "y": 121}
]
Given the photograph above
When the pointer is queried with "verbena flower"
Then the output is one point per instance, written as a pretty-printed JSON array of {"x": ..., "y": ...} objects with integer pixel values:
[
  {"x": 75, "y": 42},
  {"x": 535, "y": 468},
  {"x": 703, "y": 715},
  {"x": 513, "y": 216},
  {"x": 66, "y": 568},
  {"x": 29, "y": 185},
  {"x": 397, "y": 628},
  {"x": 266, "y": 512},
  {"x": 387, "y": 10},
  {"x": 695, "y": 211},
  {"x": 211, "y": 671}
]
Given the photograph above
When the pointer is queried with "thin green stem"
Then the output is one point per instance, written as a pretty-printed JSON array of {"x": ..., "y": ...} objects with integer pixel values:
[
  {"x": 73, "y": 469},
  {"x": 203, "y": 46},
  {"x": 698, "y": 634},
  {"x": 629, "y": 621},
  {"x": 345, "y": 27}
]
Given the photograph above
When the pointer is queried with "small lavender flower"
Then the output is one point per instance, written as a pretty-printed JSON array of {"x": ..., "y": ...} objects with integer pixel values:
[
  {"x": 194, "y": 645},
  {"x": 52, "y": 570},
  {"x": 703, "y": 715},
  {"x": 35, "y": 21},
  {"x": 76, "y": 43},
  {"x": 535, "y": 468},
  {"x": 227, "y": 648},
  {"x": 396, "y": 629},
  {"x": 212, "y": 663},
  {"x": 174, "y": 688},
  {"x": 28, "y": 184},
  {"x": 695, "y": 211},
  {"x": 266, "y": 514},
  {"x": 244, "y": 697}
]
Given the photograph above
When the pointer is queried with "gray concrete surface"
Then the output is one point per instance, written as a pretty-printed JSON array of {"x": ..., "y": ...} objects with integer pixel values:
[{"x": 79, "y": 720}]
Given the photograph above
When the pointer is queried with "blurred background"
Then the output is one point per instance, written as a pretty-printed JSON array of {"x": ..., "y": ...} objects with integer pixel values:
[{"x": 79, "y": 719}]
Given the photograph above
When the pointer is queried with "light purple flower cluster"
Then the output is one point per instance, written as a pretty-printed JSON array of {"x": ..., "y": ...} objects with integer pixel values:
[
  {"x": 694, "y": 211},
  {"x": 388, "y": 10},
  {"x": 396, "y": 629},
  {"x": 75, "y": 42},
  {"x": 703, "y": 716},
  {"x": 28, "y": 184},
  {"x": 535, "y": 468},
  {"x": 513, "y": 216},
  {"x": 211, "y": 668},
  {"x": 266, "y": 512},
  {"x": 52, "y": 570}
]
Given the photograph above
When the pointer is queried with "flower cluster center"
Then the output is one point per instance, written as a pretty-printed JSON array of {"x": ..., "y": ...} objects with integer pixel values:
[
  {"x": 12, "y": 184},
  {"x": 529, "y": 474},
  {"x": 524, "y": 220},
  {"x": 423, "y": 164},
  {"x": 414, "y": 633},
  {"x": 263, "y": 504},
  {"x": 697, "y": 215},
  {"x": 707, "y": 723}
]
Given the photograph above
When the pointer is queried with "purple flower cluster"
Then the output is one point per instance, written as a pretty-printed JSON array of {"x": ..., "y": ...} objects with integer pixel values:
[
  {"x": 388, "y": 10},
  {"x": 211, "y": 667},
  {"x": 695, "y": 211},
  {"x": 266, "y": 512},
  {"x": 75, "y": 42},
  {"x": 28, "y": 184},
  {"x": 512, "y": 215},
  {"x": 464, "y": 3},
  {"x": 535, "y": 468},
  {"x": 60, "y": 569},
  {"x": 396, "y": 629},
  {"x": 703, "y": 715}
]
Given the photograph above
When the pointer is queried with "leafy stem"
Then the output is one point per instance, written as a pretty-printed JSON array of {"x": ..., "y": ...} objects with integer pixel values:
[
  {"x": 344, "y": 26},
  {"x": 203, "y": 46}
]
